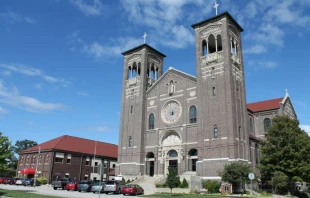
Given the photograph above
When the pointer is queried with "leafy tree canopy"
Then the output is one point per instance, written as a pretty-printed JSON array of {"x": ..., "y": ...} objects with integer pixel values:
[
  {"x": 173, "y": 179},
  {"x": 5, "y": 151},
  {"x": 236, "y": 173},
  {"x": 286, "y": 149},
  {"x": 278, "y": 181},
  {"x": 23, "y": 144}
]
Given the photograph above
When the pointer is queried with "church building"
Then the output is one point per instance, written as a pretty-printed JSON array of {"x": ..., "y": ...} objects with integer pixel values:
[{"x": 194, "y": 123}]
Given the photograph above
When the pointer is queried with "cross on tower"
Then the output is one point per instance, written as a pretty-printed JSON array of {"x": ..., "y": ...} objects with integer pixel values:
[
  {"x": 215, "y": 6},
  {"x": 144, "y": 36}
]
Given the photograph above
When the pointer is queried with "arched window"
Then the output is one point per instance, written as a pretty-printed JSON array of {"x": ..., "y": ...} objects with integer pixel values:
[
  {"x": 130, "y": 141},
  {"x": 215, "y": 132},
  {"x": 173, "y": 153},
  {"x": 192, "y": 114},
  {"x": 204, "y": 48},
  {"x": 129, "y": 72},
  {"x": 151, "y": 121},
  {"x": 219, "y": 42},
  {"x": 267, "y": 124},
  {"x": 211, "y": 44},
  {"x": 193, "y": 152},
  {"x": 134, "y": 70}
]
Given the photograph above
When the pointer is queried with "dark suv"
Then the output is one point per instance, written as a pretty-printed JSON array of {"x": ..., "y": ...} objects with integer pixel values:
[{"x": 84, "y": 185}]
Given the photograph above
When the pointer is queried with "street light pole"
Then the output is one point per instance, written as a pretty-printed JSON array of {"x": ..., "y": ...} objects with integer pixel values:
[
  {"x": 95, "y": 155},
  {"x": 36, "y": 173}
]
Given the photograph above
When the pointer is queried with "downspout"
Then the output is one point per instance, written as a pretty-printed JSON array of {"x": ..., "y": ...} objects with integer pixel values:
[{"x": 80, "y": 168}]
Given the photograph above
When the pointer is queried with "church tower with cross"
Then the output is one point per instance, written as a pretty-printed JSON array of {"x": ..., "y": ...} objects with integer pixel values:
[{"x": 196, "y": 124}]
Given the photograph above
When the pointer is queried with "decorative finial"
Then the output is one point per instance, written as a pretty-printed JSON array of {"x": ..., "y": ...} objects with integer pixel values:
[
  {"x": 144, "y": 36},
  {"x": 215, "y": 6},
  {"x": 286, "y": 92}
]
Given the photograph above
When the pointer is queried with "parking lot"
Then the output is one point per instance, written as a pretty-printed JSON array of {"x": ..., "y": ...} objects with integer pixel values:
[{"x": 48, "y": 190}]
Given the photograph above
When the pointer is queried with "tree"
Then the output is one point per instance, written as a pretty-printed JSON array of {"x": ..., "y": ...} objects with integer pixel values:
[
  {"x": 278, "y": 181},
  {"x": 286, "y": 149},
  {"x": 5, "y": 151},
  {"x": 236, "y": 174},
  {"x": 173, "y": 179},
  {"x": 211, "y": 186},
  {"x": 23, "y": 145},
  {"x": 184, "y": 183}
]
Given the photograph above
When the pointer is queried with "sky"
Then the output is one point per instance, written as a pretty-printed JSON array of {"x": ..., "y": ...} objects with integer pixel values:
[{"x": 61, "y": 64}]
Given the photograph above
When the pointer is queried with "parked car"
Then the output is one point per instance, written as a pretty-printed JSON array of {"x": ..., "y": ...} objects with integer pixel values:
[
  {"x": 113, "y": 186},
  {"x": 72, "y": 185},
  {"x": 9, "y": 181},
  {"x": 98, "y": 186},
  {"x": 19, "y": 181},
  {"x": 2, "y": 180},
  {"x": 60, "y": 183},
  {"x": 30, "y": 182},
  {"x": 132, "y": 189},
  {"x": 85, "y": 185}
]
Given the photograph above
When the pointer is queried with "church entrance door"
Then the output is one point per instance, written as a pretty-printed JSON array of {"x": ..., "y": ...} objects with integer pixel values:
[
  {"x": 151, "y": 173},
  {"x": 173, "y": 164},
  {"x": 194, "y": 164}
]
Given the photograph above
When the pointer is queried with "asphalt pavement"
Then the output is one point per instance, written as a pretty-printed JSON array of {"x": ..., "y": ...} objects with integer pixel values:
[{"x": 48, "y": 190}]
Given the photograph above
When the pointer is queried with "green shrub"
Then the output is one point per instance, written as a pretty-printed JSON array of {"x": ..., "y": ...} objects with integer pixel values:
[
  {"x": 123, "y": 180},
  {"x": 265, "y": 194},
  {"x": 42, "y": 180},
  {"x": 128, "y": 181},
  {"x": 184, "y": 183},
  {"x": 211, "y": 186}
]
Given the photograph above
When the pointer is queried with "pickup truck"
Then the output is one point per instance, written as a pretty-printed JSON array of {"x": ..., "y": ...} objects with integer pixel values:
[{"x": 60, "y": 183}]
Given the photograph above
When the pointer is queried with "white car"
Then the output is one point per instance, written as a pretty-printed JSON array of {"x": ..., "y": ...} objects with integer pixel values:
[{"x": 19, "y": 181}]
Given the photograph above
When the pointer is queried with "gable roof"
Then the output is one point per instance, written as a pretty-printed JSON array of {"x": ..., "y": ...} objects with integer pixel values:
[
  {"x": 78, "y": 145},
  {"x": 171, "y": 69},
  {"x": 142, "y": 46},
  {"x": 265, "y": 105},
  {"x": 217, "y": 17}
]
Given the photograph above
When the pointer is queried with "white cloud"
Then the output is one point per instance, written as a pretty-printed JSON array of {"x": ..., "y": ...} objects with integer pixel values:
[
  {"x": 114, "y": 48},
  {"x": 11, "y": 17},
  {"x": 3, "y": 111},
  {"x": 256, "y": 49},
  {"x": 80, "y": 93},
  {"x": 165, "y": 19},
  {"x": 90, "y": 10},
  {"x": 38, "y": 86},
  {"x": 13, "y": 98},
  {"x": 30, "y": 71},
  {"x": 263, "y": 64},
  {"x": 98, "y": 128},
  {"x": 306, "y": 128}
]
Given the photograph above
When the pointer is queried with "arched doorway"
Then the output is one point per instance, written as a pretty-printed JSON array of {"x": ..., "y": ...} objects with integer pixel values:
[
  {"x": 193, "y": 157},
  {"x": 173, "y": 159},
  {"x": 150, "y": 164}
]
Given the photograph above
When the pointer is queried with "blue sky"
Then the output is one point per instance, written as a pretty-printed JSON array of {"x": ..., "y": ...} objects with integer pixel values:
[{"x": 61, "y": 64}]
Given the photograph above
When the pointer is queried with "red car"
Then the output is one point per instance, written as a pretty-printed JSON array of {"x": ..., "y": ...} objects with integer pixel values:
[
  {"x": 72, "y": 185},
  {"x": 132, "y": 189},
  {"x": 9, "y": 181},
  {"x": 2, "y": 180}
]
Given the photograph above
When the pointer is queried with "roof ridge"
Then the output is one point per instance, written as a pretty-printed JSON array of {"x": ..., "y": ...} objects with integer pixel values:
[
  {"x": 266, "y": 100},
  {"x": 88, "y": 139}
]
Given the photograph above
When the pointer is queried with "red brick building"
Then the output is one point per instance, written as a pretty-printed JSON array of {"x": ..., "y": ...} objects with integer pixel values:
[{"x": 69, "y": 156}]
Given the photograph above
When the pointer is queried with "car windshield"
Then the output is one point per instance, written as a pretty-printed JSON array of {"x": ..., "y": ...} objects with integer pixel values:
[
  {"x": 72, "y": 182},
  {"x": 84, "y": 182},
  {"x": 98, "y": 183},
  {"x": 110, "y": 182}
]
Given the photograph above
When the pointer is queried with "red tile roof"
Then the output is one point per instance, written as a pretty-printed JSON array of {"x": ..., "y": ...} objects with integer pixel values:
[
  {"x": 264, "y": 105},
  {"x": 76, "y": 144}
]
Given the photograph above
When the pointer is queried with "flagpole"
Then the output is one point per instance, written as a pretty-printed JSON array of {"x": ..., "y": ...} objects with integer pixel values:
[{"x": 36, "y": 174}]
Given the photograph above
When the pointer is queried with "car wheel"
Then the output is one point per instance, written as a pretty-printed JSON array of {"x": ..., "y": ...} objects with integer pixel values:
[
  {"x": 67, "y": 189},
  {"x": 79, "y": 191},
  {"x": 94, "y": 192},
  {"x": 124, "y": 194},
  {"x": 106, "y": 193},
  {"x": 55, "y": 188}
]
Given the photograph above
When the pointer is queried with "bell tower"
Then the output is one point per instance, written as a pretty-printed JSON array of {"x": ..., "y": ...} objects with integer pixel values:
[
  {"x": 143, "y": 65},
  {"x": 222, "y": 112}
]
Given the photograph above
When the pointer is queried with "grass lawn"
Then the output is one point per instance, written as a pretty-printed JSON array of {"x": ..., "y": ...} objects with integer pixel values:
[
  {"x": 184, "y": 195},
  {"x": 22, "y": 194}
]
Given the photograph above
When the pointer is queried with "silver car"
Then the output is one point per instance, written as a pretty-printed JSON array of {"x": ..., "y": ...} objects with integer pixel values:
[
  {"x": 98, "y": 187},
  {"x": 113, "y": 186},
  {"x": 19, "y": 181}
]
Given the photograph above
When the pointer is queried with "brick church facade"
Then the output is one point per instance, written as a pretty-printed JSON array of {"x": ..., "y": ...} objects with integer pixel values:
[{"x": 194, "y": 123}]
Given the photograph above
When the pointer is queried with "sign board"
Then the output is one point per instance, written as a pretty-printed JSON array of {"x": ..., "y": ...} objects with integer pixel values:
[
  {"x": 251, "y": 176},
  {"x": 99, "y": 169}
]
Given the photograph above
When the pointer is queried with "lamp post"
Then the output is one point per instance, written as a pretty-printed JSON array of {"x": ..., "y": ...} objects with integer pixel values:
[
  {"x": 36, "y": 173},
  {"x": 95, "y": 155}
]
